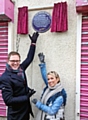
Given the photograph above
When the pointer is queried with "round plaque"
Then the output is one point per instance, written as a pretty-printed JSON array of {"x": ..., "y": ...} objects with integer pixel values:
[{"x": 41, "y": 21}]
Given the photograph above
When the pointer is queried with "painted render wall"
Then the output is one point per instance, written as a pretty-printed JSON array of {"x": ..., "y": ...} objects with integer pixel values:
[{"x": 59, "y": 50}]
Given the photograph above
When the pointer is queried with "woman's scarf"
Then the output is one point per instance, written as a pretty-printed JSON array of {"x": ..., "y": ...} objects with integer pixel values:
[{"x": 50, "y": 91}]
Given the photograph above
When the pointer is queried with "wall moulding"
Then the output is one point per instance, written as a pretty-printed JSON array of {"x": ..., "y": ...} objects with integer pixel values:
[{"x": 40, "y": 8}]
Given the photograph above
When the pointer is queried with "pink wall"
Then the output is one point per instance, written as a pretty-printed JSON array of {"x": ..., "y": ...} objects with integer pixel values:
[
  {"x": 81, "y": 2},
  {"x": 7, "y": 8},
  {"x": 2, "y": 6}
]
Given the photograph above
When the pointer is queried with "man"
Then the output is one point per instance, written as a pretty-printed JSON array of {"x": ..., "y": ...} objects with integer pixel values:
[{"x": 15, "y": 91}]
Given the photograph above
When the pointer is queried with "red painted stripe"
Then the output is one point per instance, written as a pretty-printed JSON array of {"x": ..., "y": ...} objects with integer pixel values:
[
  {"x": 3, "y": 24},
  {"x": 84, "y": 115}
]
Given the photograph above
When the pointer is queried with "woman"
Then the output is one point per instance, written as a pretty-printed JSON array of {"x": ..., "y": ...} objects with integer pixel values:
[{"x": 53, "y": 99}]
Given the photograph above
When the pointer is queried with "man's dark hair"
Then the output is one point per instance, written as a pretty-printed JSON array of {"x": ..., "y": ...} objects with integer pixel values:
[{"x": 13, "y": 53}]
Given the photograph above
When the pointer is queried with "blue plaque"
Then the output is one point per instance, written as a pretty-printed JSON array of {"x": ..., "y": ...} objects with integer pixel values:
[{"x": 41, "y": 21}]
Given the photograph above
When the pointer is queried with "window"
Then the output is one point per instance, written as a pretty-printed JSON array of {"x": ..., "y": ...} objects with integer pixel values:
[{"x": 3, "y": 58}]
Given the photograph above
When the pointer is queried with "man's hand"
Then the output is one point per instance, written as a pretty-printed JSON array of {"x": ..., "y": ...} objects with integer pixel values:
[
  {"x": 34, "y": 37},
  {"x": 31, "y": 92}
]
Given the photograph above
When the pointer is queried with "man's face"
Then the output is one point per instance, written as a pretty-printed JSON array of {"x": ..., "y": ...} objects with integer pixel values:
[{"x": 14, "y": 62}]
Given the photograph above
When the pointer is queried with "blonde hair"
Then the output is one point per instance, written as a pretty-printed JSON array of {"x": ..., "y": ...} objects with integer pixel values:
[{"x": 54, "y": 73}]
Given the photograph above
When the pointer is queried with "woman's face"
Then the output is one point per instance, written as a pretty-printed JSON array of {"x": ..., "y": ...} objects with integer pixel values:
[{"x": 52, "y": 80}]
